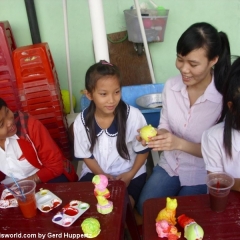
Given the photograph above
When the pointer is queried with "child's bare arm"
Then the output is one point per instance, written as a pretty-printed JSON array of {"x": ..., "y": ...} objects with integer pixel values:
[
  {"x": 139, "y": 161},
  {"x": 128, "y": 176},
  {"x": 93, "y": 165}
]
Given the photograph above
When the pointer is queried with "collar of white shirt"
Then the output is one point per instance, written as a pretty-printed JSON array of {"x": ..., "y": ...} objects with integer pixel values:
[{"x": 112, "y": 131}]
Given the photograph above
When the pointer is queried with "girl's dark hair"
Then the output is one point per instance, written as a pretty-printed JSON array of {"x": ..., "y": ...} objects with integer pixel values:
[
  {"x": 2, "y": 103},
  {"x": 232, "y": 94},
  {"x": 93, "y": 74},
  {"x": 216, "y": 44}
]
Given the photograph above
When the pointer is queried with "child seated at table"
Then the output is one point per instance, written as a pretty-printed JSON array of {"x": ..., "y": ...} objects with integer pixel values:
[
  {"x": 27, "y": 151},
  {"x": 221, "y": 143},
  {"x": 105, "y": 132}
]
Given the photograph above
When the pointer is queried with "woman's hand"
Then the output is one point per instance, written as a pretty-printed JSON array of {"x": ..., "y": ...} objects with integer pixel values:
[{"x": 164, "y": 141}]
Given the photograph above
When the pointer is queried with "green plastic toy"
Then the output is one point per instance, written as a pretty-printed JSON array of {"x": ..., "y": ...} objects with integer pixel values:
[{"x": 91, "y": 227}]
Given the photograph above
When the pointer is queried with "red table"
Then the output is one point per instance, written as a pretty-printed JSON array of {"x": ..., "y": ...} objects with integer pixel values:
[
  {"x": 112, "y": 224},
  {"x": 216, "y": 226}
]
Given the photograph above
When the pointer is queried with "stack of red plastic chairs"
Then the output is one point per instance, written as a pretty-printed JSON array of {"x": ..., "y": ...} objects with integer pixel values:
[
  {"x": 39, "y": 90},
  {"x": 8, "y": 87}
]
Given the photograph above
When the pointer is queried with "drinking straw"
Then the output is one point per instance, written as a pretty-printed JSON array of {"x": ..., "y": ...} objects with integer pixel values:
[
  {"x": 218, "y": 185},
  {"x": 20, "y": 189},
  {"x": 10, "y": 190}
]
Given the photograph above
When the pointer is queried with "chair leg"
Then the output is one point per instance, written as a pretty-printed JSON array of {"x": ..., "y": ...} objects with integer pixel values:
[{"x": 131, "y": 222}]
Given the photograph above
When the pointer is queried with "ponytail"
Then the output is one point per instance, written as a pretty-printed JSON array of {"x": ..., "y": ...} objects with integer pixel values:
[
  {"x": 223, "y": 64},
  {"x": 227, "y": 134}
]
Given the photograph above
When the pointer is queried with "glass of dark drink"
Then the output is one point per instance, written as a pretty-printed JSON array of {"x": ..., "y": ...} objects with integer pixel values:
[{"x": 219, "y": 185}]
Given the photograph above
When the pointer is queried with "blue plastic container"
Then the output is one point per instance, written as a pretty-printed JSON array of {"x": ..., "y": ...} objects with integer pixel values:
[{"x": 131, "y": 93}]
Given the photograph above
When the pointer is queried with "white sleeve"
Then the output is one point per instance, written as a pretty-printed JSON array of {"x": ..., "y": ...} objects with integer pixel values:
[
  {"x": 212, "y": 152},
  {"x": 81, "y": 141}
]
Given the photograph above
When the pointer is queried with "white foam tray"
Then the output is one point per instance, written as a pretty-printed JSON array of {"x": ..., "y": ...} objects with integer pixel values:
[
  {"x": 46, "y": 200},
  {"x": 70, "y": 213}
]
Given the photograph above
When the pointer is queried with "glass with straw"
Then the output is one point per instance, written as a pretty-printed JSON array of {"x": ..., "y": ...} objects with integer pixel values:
[
  {"x": 24, "y": 192},
  {"x": 219, "y": 185}
]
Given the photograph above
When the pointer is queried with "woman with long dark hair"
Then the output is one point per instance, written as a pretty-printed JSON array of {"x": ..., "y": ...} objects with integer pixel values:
[{"x": 192, "y": 103}]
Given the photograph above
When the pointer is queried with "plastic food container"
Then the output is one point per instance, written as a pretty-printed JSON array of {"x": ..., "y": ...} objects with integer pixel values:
[
  {"x": 70, "y": 213},
  {"x": 46, "y": 200},
  {"x": 154, "y": 23}
]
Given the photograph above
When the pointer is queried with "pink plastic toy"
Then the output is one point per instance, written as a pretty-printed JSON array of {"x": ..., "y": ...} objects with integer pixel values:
[
  {"x": 164, "y": 229},
  {"x": 104, "y": 206},
  {"x": 100, "y": 181}
]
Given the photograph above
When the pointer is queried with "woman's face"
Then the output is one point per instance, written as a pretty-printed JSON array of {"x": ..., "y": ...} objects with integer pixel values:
[
  {"x": 195, "y": 67},
  {"x": 7, "y": 124}
]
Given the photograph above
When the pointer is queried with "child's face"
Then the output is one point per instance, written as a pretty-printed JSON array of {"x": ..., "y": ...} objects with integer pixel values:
[
  {"x": 106, "y": 94},
  {"x": 7, "y": 124},
  {"x": 195, "y": 67}
]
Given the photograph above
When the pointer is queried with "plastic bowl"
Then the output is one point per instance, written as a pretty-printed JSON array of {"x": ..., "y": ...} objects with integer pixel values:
[{"x": 153, "y": 100}]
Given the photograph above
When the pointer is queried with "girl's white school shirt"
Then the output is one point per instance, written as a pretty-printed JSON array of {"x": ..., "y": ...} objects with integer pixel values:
[
  {"x": 187, "y": 122},
  {"x": 13, "y": 163},
  {"x": 105, "y": 150},
  {"x": 214, "y": 154}
]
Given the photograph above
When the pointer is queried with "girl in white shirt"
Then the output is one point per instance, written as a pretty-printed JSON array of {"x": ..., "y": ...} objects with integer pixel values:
[
  {"x": 105, "y": 132},
  {"x": 221, "y": 143},
  {"x": 191, "y": 104}
]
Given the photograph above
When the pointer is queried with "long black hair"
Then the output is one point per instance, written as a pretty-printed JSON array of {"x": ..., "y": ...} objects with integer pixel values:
[
  {"x": 2, "y": 103},
  {"x": 93, "y": 74},
  {"x": 232, "y": 94},
  {"x": 204, "y": 35}
]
